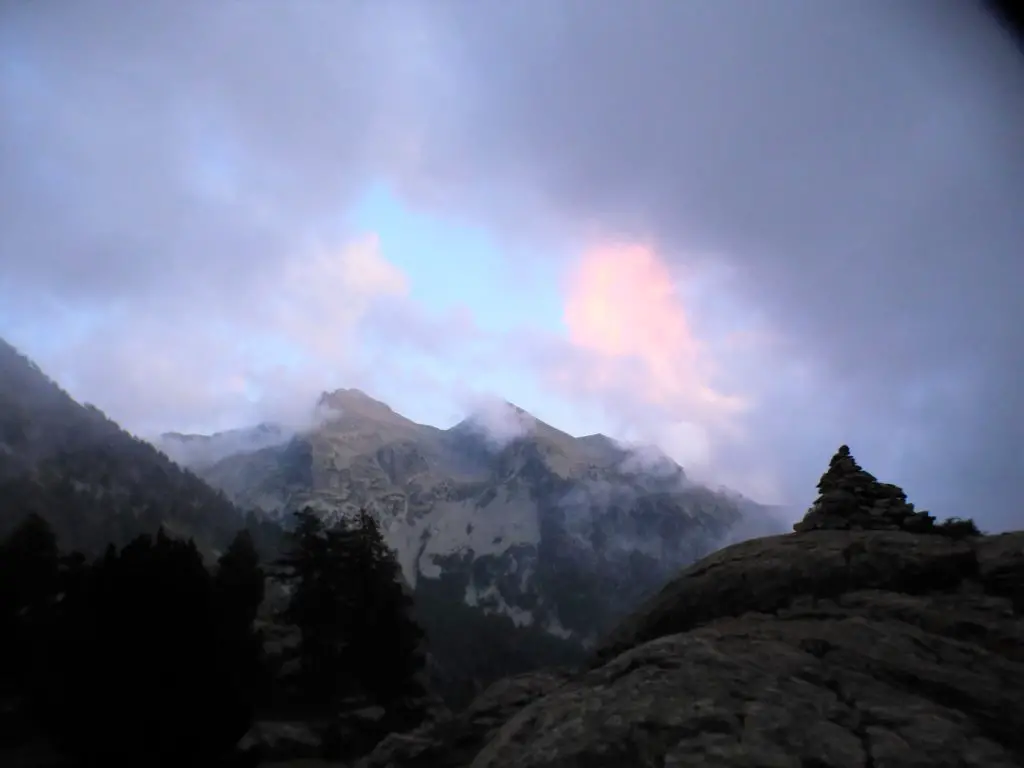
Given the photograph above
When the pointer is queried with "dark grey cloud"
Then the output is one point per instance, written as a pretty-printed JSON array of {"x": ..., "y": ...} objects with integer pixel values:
[
  {"x": 114, "y": 109},
  {"x": 860, "y": 165},
  {"x": 171, "y": 176},
  {"x": 857, "y": 167}
]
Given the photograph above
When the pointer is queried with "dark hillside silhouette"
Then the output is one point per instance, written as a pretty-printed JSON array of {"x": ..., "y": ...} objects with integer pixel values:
[{"x": 92, "y": 481}]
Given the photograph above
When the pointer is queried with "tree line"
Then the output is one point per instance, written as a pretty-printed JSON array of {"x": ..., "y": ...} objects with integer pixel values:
[{"x": 148, "y": 654}]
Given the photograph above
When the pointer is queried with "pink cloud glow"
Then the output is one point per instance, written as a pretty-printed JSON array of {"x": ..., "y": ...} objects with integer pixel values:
[{"x": 623, "y": 309}]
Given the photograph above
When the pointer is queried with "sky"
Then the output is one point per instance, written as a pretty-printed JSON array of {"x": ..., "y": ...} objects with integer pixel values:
[{"x": 745, "y": 232}]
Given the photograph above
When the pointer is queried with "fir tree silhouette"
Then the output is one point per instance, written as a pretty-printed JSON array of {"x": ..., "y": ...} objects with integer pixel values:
[
  {"x": 239, "y": 585},
  {"x": 385, "y": 642},
  {"x": 140, "y": 667},
  {"x": 353, "y": 613},
  {"x": 29, "y": 583},
  {"x": 313, "y": 568}
]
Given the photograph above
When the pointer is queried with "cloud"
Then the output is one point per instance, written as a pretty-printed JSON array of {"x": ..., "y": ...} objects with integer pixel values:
[
  {"x": 622, "y": 309},
  {"x": 832, "y": 191},
  {"x": 316, "y": 301},
  {"x": 499, "y": 421},
  {"x": 221, "y": 367},
  {"x": 851, "y": 171},
  {"x": 177, "y": 149}
]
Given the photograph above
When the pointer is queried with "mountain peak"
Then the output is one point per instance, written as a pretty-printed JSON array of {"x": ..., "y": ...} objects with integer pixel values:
[
  {"x": 353, "y": 402},
  {"x": 500, "y": 421},
  {"x": 599, "y": 439},
  {"x": 344, "y": 396},
  {"x": 345, "y": 410}
]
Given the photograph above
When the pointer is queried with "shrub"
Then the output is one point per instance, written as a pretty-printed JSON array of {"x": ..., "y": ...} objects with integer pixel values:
[{"x": 958, "y": 528}]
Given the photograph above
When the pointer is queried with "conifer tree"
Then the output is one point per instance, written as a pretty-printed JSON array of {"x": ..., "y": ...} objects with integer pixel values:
[
  {"x": 384, "y": 641},
  {"x": 238, "y": 589},
  {"x": 353, "y": 613},
  {"x": 139, "y": 626},
  {"x": 239, "y": 583},
  {"x": 30, "y": 564},
  {"x": 29, "y": 580},
  {"x": 313, "y": 568}
]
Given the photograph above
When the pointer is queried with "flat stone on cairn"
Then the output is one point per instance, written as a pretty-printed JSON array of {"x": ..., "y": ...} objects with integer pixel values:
[{"x": 852, "y": 499}]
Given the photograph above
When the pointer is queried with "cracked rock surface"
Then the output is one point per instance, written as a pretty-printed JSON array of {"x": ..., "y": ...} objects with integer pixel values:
[{"x": 827, "y": 649}]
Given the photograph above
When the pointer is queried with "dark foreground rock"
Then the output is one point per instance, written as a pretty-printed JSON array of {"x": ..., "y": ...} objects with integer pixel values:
[
  {"x": 276, "y": 740},
  {"x": 828, "y": 649},
  {"x": 454, "y": 741}
]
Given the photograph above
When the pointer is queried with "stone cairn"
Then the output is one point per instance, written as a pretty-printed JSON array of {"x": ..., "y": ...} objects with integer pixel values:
[{"x": 851, "y": 499}]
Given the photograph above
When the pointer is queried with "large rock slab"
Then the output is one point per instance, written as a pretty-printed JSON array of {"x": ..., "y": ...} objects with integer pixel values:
[
  {"x": 828, "y": 649},
  {"x": 868, "y": 680},
  {"x": 280, "y": 740},
  {"x": 873, "y": 649},
  {"x": 765, "y": 575},
  {"x": 454, "y": 741}
]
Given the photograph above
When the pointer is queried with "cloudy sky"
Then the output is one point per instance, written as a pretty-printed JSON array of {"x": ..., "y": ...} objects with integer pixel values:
[{"x": 747, "y": 231}]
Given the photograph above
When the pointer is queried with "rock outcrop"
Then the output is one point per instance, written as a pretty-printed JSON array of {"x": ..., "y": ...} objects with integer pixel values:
[
  {"x": 453, "y": 742},
  {"x": 876, "y": 648},
  {"x": 277, "y": 740},
  {"x": 831, "y": 649}
]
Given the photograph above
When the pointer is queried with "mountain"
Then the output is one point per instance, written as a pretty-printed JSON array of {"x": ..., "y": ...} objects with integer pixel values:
[
  {"x": 502, "y": 511},
  {"x": 95, "y": 483},
  {"x": 203, "y": 450},
  {"x": 871, "y": 636}
]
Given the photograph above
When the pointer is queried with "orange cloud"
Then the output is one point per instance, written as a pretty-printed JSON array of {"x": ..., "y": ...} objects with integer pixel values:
[{"x": 622, "y": 305}]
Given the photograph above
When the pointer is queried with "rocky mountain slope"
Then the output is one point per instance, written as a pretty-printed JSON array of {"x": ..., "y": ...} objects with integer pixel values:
[
  {"x": 852, "y": 643},
  {"x": 91, "y": 480},
  {"x": 550, "y": 530}
]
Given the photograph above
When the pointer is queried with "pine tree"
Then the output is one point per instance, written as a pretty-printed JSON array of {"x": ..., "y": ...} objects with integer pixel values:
[
  {"x": 238, "y": 589},
  {"x": 140, "y": 626},
  {"x": 30, "y": 564},
  {"x": 384, "y": 641},
  {"x": 29, "y": 580},
  {"x": 313, "y": 568},
  {"x": 239, "y": 583},
  {"x": 353, "y": 613}
]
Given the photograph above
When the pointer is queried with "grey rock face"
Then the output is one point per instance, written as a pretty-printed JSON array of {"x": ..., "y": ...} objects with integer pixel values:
[
  {"x": 453, "y": 742},
  {"x": 831, "y": 649}
]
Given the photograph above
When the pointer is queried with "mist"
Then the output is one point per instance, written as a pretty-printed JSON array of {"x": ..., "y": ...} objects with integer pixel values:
[{"x": 498, "y": 421}]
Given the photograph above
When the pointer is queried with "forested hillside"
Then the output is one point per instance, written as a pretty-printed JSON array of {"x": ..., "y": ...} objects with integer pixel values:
[
  {"x": 168, "y": 655},
  {"x": 93, "y": 482}
]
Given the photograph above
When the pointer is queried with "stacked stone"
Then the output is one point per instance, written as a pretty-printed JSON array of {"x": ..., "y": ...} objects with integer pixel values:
[{"x": 852, "y": 499}]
